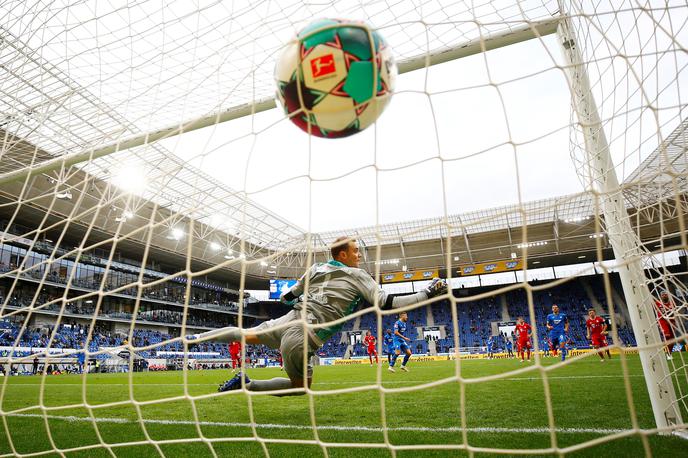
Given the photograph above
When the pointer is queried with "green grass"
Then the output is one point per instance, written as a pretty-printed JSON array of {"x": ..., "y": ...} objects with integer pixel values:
[{"x": 586, "y": 395}]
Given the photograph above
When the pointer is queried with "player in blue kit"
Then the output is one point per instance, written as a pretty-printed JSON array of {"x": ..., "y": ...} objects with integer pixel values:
[
  {"x": 388, "y": 340},
  {"x": 546, "y": 345},
  {"x": 558, "y": 327},
  {"x": 401, "y": 343},
  {"x": 490, "y": 346},
  {"x": 509, "y": 348}
]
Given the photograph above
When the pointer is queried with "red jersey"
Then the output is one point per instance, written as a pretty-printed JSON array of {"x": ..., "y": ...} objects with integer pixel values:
[
  {"x": 234, "y": 348},
  {"x": 369, "y": 341},
  {"x": 522, "y": 331},
  {"x": 665, "y": 310},
  {"x": 595, "y": 325},
  {"x": 665, "y": 317}
]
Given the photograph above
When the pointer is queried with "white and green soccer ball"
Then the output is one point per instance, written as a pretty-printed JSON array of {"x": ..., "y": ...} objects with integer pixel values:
[{"x": 335, "y": 78}]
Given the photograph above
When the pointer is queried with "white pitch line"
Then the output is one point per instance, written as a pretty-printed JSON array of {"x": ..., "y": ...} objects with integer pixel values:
[
  {"x": 479, "y": 429},
  {"x": 568, "y": 377},
  {"x": 506, "y": 379},
  {"x": 352, "y": 382}
]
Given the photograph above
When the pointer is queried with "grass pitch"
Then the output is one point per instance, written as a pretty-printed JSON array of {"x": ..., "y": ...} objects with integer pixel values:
[{"x": 588, "y": 398}]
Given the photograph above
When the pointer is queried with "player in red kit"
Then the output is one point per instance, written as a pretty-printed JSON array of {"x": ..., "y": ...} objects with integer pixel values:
[
  {"x": 665, "y": 319},
  {"x": 524, "y": 332},
  {"x": 597, "y": 333},
  {"x": 235, "y": 354},
  {"x": 369, "y": 341}
]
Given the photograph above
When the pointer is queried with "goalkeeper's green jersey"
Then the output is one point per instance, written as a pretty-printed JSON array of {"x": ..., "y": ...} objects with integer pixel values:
[{"x": 335, "y": 291}]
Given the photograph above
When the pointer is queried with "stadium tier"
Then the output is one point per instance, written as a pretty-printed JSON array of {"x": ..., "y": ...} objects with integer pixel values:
[{"x": 474, "y": 318}]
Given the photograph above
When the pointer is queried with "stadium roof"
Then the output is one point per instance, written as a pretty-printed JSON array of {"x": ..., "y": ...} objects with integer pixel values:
[
  {"x": 569, "y": 207},
  {"x": 662, "y": 175},
  {"x": 49, "y": 120},
  {"x": 668, "y": 161}
]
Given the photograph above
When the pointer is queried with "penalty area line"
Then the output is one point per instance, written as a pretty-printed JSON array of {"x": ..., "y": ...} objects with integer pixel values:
[{"x": 477, "y": 429}]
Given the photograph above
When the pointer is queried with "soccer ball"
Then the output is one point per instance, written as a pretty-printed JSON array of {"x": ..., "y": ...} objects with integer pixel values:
[{"x": 332, "y": 81}]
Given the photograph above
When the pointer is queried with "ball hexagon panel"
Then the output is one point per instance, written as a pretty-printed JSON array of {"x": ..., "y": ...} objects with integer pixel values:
[
  {"x": 288, "y": 62},
  {"x": 324, "y": 68},
  {"x": 359, "y": 82},
  {"x": 310, "y": 38},
  {"x": 356, "y": 41},
  {"x": 292, "y": 101},
  {"x": 369, "y": 113},
  {"x": 334, "y": 113}
]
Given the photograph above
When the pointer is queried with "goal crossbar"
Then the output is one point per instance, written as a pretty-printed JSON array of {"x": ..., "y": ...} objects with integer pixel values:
[{"x": 483, "y": 43}]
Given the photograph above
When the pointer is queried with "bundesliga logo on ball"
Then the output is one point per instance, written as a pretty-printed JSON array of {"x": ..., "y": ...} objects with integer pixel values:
[{"x": 335, "y": 78}]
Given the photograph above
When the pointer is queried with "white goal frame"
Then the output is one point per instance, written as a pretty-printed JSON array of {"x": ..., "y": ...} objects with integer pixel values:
[{"x": 624, "y": 241}]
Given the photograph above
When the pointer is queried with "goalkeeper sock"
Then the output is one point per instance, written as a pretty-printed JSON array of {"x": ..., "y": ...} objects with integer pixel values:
[
  {"x": 406, "y": 358},
  {"x": 277, "y": 383}
]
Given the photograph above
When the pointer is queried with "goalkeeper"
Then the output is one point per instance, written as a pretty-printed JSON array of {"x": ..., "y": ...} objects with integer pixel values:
[{"x": 335, "y": 290}]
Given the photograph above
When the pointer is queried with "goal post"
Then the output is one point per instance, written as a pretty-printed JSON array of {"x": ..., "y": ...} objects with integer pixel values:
[{"x": 624, "y": 241}]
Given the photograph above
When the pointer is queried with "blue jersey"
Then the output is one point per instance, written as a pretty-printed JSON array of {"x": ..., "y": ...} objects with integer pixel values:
[
  {"x": 509, "y": 345},
  {"x": 399, "y": 326},
  {"x": 489, "y": 343},
  {"x": 389, "y": 340},
  {"x": 558, "y": 323}
]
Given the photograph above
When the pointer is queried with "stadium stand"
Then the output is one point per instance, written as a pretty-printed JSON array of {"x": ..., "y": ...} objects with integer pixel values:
[
  {"x": 212, "y": 306},
  {"x": 475, "y": 317},
  {"x": 474, "y": 320}
]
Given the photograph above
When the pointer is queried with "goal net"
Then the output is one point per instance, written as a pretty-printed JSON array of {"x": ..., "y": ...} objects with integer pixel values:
[{"x": 533, "y": 155}]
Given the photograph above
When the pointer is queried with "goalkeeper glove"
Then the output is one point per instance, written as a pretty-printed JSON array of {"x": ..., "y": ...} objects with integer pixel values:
[
  {"x": 437, "y": 287},
  {"x": 289, "y": 298}
]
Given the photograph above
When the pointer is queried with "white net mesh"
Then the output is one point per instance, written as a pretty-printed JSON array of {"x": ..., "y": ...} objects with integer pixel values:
[{"x": 536, "y": 151}]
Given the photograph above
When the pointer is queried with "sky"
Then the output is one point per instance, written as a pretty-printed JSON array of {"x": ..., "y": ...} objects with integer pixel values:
[
  {"x": 434, "y": 149},
  {"x": 481, "y": 132}
]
